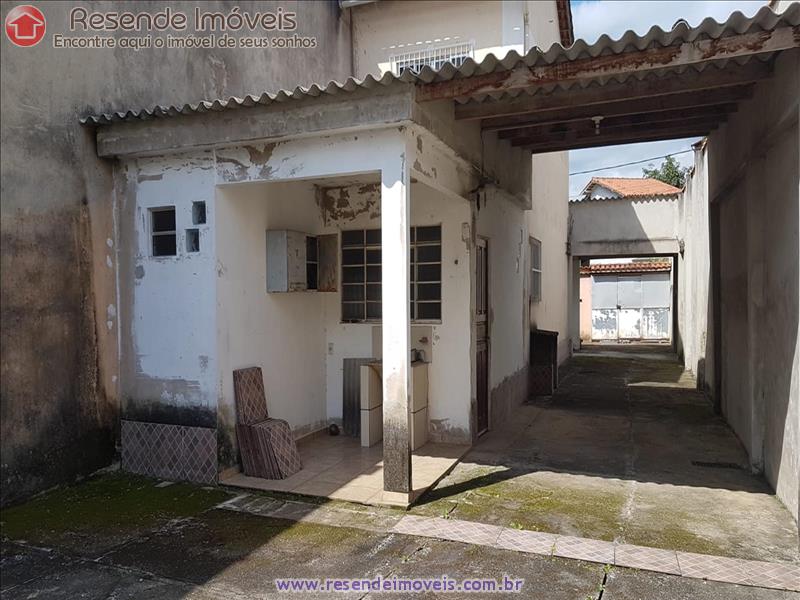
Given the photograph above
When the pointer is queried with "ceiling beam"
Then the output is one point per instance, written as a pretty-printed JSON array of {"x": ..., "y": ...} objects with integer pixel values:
[
  {"x": 711, "y": 113},
  {"x": 649, "y": 87},
  {"x": 651, "y": 58},
  {"x": 688, "y": 100},
  {"x": 617, "y": 137},
  {"x": 643, "y": 129},
  {"x": 617, "y": 141}
]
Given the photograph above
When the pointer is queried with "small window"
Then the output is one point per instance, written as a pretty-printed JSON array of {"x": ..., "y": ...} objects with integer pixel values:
[
  {"x": 192, "y": 240},
  {"x": 361, "y": 274},
  {"x": 162, "y": 223},
  {"x": 536, "y": 270},
  {"x": 312, "y": 263},
  {"x": 198, "y": 213}
]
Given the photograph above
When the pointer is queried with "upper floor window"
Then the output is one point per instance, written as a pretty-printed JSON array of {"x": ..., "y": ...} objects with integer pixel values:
[
  {"x": 361, "y": 274},
  {"x": 434, "y": 57}
]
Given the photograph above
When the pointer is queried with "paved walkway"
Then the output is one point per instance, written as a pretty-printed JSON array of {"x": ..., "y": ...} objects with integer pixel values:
[
  {"x": 124, "y": 537},
  {"x": 780, "y": 576},
  {"x": 627, "y": 451}
]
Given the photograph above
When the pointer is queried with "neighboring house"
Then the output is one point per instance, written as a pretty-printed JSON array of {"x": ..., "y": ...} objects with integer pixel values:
[
  {"x": 393, "y": 35},
  {"x": 630, "y": 301},
  {"x": 638, "y": 188}
]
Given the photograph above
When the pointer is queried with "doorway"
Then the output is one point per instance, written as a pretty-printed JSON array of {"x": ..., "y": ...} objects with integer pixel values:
[{"x": 482, "y": 333}]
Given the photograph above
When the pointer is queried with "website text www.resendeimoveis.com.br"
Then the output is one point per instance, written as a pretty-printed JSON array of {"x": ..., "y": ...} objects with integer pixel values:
[{"x": 442, "y": 584}]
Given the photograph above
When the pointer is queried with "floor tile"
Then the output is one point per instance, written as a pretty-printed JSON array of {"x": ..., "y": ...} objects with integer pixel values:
[
  {"x": 715, "y": 568},
  {"x": 649, "y": 559},
  {"x": 584, "y": 549},
  {"x": 534, "y": 542}
]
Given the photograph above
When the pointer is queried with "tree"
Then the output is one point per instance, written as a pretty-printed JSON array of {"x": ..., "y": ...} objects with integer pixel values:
[{"x": 669, "y": 172}]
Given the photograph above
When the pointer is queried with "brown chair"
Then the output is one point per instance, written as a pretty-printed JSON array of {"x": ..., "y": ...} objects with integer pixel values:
[{"x": 267, "y": 446}]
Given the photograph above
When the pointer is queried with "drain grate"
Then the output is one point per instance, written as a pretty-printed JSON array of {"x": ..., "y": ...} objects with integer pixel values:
[{"x": 717, "y": 465}]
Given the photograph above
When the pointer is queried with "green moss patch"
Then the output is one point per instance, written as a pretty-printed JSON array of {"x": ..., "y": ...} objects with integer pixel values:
[{"x": 103, "y": 511}]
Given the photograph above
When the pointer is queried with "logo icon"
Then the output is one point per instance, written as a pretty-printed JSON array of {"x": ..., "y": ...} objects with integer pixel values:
[{"x": 25, "y": 25}]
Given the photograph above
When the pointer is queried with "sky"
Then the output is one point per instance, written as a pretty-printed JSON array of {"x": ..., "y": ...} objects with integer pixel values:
[{"x": 592, "y": 18}]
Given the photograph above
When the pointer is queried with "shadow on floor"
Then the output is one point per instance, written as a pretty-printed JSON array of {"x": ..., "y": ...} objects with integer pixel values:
[{"x": 627, "y": 448}]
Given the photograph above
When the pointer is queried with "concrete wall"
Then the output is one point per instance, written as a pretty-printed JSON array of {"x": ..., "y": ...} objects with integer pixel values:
[
  {"x": 387, "y": 28},
  {"x": 619, "y": 227},
  {"x": 753, "y": 170},
  {"x": 59, "y": 376},
  {"x": 695, "y": 334},
  {"x": 548, "y": 221},
  {"x": 753, "y": 182}
]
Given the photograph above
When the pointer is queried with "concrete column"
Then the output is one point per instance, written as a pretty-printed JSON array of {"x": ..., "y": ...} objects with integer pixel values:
[
  {"x": 574, "y": 299},
  {"x": 395, "y": 210}
]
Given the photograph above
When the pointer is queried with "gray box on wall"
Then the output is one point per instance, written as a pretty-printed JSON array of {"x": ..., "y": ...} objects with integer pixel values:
[{"x": 286, "y": 261}]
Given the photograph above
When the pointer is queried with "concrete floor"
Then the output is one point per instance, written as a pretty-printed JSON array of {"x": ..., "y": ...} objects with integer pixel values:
[
  {"x": 626, "y": 450},
  {"x": 124, "y": 537}
]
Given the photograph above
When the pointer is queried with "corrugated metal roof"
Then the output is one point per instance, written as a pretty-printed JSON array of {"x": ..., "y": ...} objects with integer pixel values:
[{"x": 764, "y": 20}]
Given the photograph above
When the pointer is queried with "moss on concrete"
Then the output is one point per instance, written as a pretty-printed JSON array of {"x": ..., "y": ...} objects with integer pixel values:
[
  {"x": 588, "y": 513},
  {"x": 674, "y": 537},
  {"x": 109, "y": 506}
]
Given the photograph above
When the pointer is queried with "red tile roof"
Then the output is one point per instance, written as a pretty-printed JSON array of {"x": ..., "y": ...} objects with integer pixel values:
[
  {"x": 636, "y": 267},
  {"x": 635, "y": 187}
]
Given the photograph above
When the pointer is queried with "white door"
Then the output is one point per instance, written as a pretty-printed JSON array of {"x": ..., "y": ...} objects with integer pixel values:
[
  {"x": 656, "y": 303},
  {"x": 629, "y": 303},
  {"x": 604, "y": 307}
]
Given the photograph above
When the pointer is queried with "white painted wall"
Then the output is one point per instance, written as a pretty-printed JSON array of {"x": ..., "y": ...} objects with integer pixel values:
[
  {"x": 283, "y": 333},
  {"x": 548, "y": 222},
  {"x": 219, "y": 316},
  {"x": 620, "y": 226},
  {"x": 298, "y": 338},
  {"x": 695, "y": 322},
  {"x": 167, "y": 304},
  {"x": 503, "y": 223}
]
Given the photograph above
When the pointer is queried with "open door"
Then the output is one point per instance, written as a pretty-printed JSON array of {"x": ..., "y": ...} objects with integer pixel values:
[{"x": 482, "y": 333}]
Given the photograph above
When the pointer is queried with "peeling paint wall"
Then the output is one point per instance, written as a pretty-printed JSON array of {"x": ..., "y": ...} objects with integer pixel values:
[
  {"x": 60, "y": 401},
  {"x": 318, "y": 186},
  {"x": 168, "y": 306}
]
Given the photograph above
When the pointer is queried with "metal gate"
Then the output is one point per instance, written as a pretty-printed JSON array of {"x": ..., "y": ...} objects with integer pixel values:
[{"x": 631, "y": 307}]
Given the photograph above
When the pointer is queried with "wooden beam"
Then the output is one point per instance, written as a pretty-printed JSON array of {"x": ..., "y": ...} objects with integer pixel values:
[
  {"x": 610, "y": 65},
  {"x": 621, "y": 107},
  {"x": 588, "y": 126},
  {"x": 650, "y": 87},
  {"x": 618, "y": 137}
]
